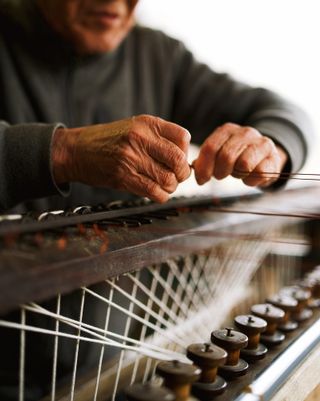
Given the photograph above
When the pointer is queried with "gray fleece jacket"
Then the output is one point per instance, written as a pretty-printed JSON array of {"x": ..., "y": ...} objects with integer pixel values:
[{"x": 43, "y": 83}]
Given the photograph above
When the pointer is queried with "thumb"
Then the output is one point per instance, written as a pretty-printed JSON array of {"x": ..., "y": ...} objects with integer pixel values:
[{"x": 174, "y": 133}]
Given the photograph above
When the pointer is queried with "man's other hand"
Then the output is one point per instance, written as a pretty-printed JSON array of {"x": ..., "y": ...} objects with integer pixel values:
[
  {"x": 144, "y": 155},
  {"x": 241, "y": 152}
]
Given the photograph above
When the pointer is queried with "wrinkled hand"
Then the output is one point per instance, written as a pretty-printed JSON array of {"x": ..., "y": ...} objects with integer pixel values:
[
  {"x": 144, "y": 155},
  {"x": 241, "y": 152}
]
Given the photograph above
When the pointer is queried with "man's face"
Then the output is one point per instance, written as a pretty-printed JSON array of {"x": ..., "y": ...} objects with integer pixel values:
[{"x": 93, "y": 26}]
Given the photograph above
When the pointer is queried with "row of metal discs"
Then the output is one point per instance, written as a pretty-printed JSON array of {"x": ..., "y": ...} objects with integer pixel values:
[{"x": 230, "y": 351}]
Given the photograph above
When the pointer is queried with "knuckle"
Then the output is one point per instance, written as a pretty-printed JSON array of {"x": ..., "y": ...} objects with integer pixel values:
[
  {"x": 147, "y": 121},
  {"x": 209, "y": 148},
  {"x": 134, "y": 124},
  {"x": 178, "y": 159},
  {"x": 229, "y": 126},
  {"x": 125, "y": 152},
  {"x": 249, "y": 132},
  {"x": 133, "y": 135},
  {"x": 152, "y": 121},
  {"x": 226, "y": 158},
  {"x": 162, "y": 198},
  {"x": 184, "y": 175},
  {"x": 168, "y": 178},
  {"x": 267, "y": 142},
  {"x": 243, "y": 165},
  {"x": 145, "y": 118},
  {"x": 151, "y": 188},
  {"x": 171, "y": 189},
  {"x": 246, "y": 131}
]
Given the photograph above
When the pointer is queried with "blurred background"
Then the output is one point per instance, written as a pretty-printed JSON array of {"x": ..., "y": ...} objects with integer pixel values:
[{"x": 270, "y": 43}]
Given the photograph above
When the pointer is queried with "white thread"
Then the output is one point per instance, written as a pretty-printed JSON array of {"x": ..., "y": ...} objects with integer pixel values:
[
  {"x": 165, "y": 356},
  {"x": 106, "y": 324},
  {"x": 171, "y": 293},
  {"x": 22, "y": 356},
  {"x": 144, "y": 328},
  {"x": 164, "y": 300},
  {"x": 76, "y": 354},
  {"x": 143, "y": 307},
  {"x": 185, "y": 285},
  {"x": 138, "y": 318},
  {"x": 55, "y": 353},
  {"x": 126, "y": 332},
  {"x": 86, "y": 328},
  {"x": 162, "y": 306}
]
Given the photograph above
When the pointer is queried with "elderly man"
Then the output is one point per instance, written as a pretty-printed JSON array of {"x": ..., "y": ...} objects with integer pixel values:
[
  {"x": 92, "y": 105},
  {"x": 90, "y": 99}
]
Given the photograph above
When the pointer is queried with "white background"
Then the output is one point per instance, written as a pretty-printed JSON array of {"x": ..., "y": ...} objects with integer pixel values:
[{"x": 273, "y": 43}]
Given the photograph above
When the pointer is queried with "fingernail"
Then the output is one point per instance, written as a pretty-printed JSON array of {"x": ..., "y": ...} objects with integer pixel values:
[
  {"x": 201, "y": 181},
  {"x": 188, "y": 135}
]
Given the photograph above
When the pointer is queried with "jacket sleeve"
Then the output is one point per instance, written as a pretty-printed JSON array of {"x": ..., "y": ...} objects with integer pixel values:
[
  {"x": 25, "y": 165},
  {"x": 205, "y": 99}
]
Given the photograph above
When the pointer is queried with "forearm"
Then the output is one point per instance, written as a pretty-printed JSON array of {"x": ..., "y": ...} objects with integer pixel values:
[
  {"x": 26, "y": 171},
  {"x": 62, "y": 148}
]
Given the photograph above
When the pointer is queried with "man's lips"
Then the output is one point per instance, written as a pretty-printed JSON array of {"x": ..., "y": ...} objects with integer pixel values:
[
  {"x": 107, "y": 18},
  {"x": 107, "y": 14}
]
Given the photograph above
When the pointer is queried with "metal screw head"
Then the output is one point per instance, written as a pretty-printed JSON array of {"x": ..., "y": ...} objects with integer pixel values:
[
  {"x": 229, "y": 331},
  {"x": 207, "y": 347},
  {"x": 250, "y": 319}
]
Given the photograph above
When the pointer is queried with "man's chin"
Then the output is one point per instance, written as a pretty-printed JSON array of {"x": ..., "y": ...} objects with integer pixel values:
[{"x": 97, "y": 43}]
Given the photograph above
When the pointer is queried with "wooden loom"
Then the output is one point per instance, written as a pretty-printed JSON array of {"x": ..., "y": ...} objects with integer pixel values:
[{"x": 106, "y": 293}]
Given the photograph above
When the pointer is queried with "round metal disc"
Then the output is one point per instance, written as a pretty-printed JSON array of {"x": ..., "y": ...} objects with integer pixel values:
[
  {"x": 275, "y": 339},
  {"x": 302, "y": 316},
  {"x": 307, "y": 283},
  {"x": 206, "y": 355},
  {"x": 250, "y": 324},
  {"x": 232, "y": 372},
  {"x": 254, "y": 354},
  {"x": 180, "y": 373},
  {"x": 268, "y": 312},
  {"x": 284, "y": 302},
  {"x": 288, "y": 326},
  {"x": 229, "y": 339},
  {"x": 296, "y": 292},
  {"x": 314, "y": 304},
  {"x": 208, "y": 391}
]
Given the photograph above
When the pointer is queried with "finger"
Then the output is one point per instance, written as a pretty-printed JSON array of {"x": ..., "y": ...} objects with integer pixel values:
[
  {"x": 261, "y": 175},
  {"x": 144, "y": 186},
  {"x": 227, "y": 157},
  {"x": 204, "y": 165},
  {"x": 171, "y": 156},
  {"x": 253, "y": 154},
  {"x": 173, "y": 133},
  {"x": 159, "y": 173},
  {"x": 232, "y": 149},
  {"x": 165, "y": 129}
]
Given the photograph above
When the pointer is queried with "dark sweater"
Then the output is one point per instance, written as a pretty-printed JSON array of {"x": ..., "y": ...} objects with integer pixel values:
[{"x": 44, "y": 83}]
